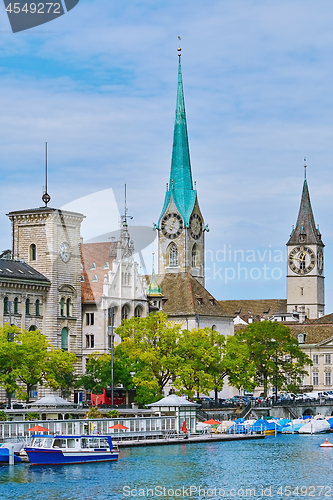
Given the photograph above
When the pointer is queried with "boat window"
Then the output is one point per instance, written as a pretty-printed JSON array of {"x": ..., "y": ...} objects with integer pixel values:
[
  {"x": 84, "y": 443},
  {"x": 59, "y": 443},
  {"x": 38, "y": 441},
  {"x": 47, "y": 443},
  {"x": 70, "y": 443}
]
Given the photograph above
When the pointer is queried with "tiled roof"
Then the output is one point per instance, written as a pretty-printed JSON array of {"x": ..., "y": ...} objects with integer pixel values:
[
  {"x": 324, "y": 320},
  {"x": 184, "y": 295},
  {"x": 315, "y": 333},
  {"x": 15, "y": 269},
  {"x": 260, "y": 307},
  {"x": 95, "y": 254}
]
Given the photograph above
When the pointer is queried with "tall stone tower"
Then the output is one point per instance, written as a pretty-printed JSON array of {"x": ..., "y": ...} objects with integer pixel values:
[
  {"x": 181, "y": 242},
  {"x": 305, "y": 278},
  {"x": 48, "y": 240}
]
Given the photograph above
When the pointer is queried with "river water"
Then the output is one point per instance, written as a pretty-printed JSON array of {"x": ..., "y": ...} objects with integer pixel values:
[{"x": 276, "y": 467}]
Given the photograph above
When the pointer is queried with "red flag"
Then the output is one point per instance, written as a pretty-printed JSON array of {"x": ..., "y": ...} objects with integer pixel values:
[{"x": 184, "y": 428}]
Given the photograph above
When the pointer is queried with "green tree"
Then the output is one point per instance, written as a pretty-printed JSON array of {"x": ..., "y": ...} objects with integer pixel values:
[
  {"x": 60, "y": 371},
  {"x": 9, "y": 358},
  {"x": 28, "y": 359},
  {"x": 98, "y": 373},
  {"x": 271, "y": 357},
  {"x": 198, "y": 358},
  {"x": 149, "y": 349}
]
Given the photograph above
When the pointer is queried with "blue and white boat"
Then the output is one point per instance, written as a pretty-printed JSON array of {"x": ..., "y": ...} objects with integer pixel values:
[{"x": 46, "y": 449}]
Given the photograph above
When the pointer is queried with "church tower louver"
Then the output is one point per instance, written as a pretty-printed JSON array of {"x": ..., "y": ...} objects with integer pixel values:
[
  {"x": 181, "y": 224},
  {"x": 305, "y": 279}
]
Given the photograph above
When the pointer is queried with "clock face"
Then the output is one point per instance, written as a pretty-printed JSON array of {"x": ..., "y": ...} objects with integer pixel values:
[
  {"x": 195, "y": 226},
  {"x": 320, "y": 261},
  {"x": 302, "y": 260},
  {"x": 172, "y": 225},
  {"x": 64, "y": 252}
]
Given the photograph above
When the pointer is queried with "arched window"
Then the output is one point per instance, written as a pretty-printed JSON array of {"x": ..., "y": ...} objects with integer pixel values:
[
  {"x": 68, "y": 307},
  {"x": 62, "y": 305},
  {"x": 173, "y": 255},
  {"x": 214, "y": 328},
  {"x": 6, "y": 305},
  {"x": 138, "y": 312},
  {"x": 16, "y": 305},
  {"x": 27, "y": 306},
  {"x": 33, "y": 252},
  {"x": 37, "y": 307},
  {"x": 194, "y": 255},
  {"x": 64, "y": 339},
  {"x": 125, "y": 312},
  {"x": 32, "y": 328}
]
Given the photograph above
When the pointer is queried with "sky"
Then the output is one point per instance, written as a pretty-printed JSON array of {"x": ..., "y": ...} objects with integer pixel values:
[{"x": 99, "y": 85}]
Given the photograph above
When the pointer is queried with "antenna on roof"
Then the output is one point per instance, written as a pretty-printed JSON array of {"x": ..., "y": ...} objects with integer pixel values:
[
  {"x": 304, "y": 168},
  {"x": 125, "y": 217},
  {"x": 46, "y": 197}
]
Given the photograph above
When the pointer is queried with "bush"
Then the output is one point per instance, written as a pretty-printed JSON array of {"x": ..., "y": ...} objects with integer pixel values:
[
  {"x": 113, "y": 414},
  {"x": 93, "y": 413},
  {"x": 3, "y": 416},
  {"x": 33, "y": 415}
]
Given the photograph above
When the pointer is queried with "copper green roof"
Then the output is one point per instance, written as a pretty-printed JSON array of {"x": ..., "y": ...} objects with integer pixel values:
[
  {"x": 305, "y": 224},
  {"x": 181, "y": 184},
  {"x": 154, "y": 289}
]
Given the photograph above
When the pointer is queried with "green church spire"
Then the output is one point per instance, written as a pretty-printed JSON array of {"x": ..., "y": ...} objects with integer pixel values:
[
  {"x": 180, "y": 175},
  {"x": 154, "y": 290},
  {"x": 181, "y": 184}
]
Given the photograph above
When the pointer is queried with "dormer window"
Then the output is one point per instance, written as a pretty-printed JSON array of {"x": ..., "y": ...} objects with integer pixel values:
[
  {"x": 200, "y": 300},
  {"x": 95, "y": 278},
  {"x": 93, "y": 266},
  {"x": 106, "y": 265}
]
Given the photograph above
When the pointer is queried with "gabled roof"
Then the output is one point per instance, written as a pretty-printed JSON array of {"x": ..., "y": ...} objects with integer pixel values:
[
  {"x": 19, "y": 270},
  {"x": 305, "y": 230},
  {"x": 315, "y": 333},
  {"x": 97, "y": 254},
  {"x": 181, "y": 184},
  {"x": 260, "y": 307},
  {"x": 185, "y": 296}
]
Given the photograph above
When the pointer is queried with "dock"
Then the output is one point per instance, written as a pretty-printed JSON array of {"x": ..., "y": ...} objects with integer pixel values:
[{"x": 205, "y": 438}]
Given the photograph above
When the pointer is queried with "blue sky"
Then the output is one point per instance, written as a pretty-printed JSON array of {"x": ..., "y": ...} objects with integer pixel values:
[{"x": 99, "y": 84}]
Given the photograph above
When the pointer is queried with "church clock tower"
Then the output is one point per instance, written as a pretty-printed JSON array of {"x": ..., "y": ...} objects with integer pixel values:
[
  {"x": 181, "y": 242},
  {"x": 305, "y": 279}
]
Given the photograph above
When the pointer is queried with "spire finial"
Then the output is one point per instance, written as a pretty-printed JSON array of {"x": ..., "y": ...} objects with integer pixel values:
[
  {"x": 46, "y": 197},
  {"x": 179, "y": 49},
  {"x": 125, "y": 217},
  {"x": 305, "y": 169}
]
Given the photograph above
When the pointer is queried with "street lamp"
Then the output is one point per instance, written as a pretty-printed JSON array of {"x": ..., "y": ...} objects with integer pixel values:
[{"x": 111, "y": 333}]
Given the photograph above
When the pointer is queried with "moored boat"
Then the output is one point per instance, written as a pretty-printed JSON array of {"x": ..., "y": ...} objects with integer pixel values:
[{"x": 70, "y": 449}]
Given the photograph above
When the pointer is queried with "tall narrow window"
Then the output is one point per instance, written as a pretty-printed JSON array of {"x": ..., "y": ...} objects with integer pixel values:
[
  {"x": 37, "y": 308},
  {"x": 315, "y": 378},
  {"x": 64, "y": 339},
  {"x": 68, "y": 307},
  {"x": 173, "y": 255},
  {"x": 328, "y": 378},
  {"x": 6, "y": 305},
  {"x": 33, "y": 252},
  {"x": 90, "y": 318},
  {"x": 27, "y": 306},
  {"x": 90, "y": 341},
  {"x": 62, "y": 305},
  {"x": 138, "y": 312},
  {"x": 16, "y": 305},
  {"x": 125, "y": 312},
  {"x": 194, "y": 255}
]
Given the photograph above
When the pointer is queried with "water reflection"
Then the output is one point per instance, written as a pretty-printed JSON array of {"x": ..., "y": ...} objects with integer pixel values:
[{"x": 275, "y": 461}]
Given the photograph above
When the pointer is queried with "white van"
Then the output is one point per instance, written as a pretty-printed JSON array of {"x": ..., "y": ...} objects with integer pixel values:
[{"x": 319, "y": 394}]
